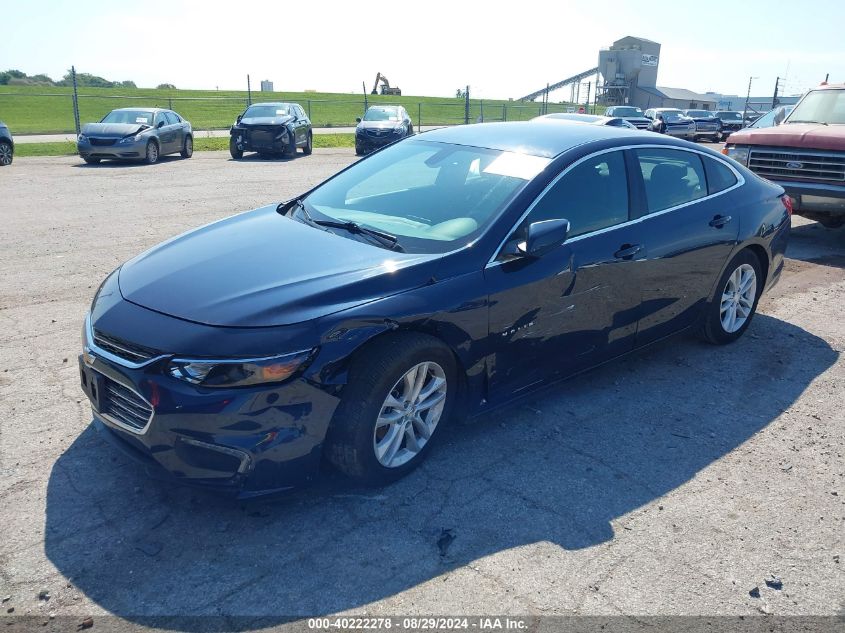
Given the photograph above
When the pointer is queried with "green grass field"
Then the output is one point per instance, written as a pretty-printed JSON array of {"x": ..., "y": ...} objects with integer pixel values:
[
  {"x": 45, "y": 110},
  {"x": 201, "y": 144}
]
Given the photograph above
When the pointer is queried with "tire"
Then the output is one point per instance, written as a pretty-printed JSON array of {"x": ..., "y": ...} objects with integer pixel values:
[
  {"x": 290, "y": 150},
  {"x": 358, "y": 151},
  {"x": 151, "y": 156},
  {"x": 236, "y": 153},
  {"x": 7, "y": 154},
  {"x": 718, "y": 328},
  {"x": 358, "y": 444},
  {"x": 92, "y": 161},
  {"x": 309, "y": 145},
  {"x": 187, "y": 147}
]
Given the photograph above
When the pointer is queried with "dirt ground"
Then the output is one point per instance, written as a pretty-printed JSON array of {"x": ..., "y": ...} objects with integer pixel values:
[{"x": 673, "y": 482}]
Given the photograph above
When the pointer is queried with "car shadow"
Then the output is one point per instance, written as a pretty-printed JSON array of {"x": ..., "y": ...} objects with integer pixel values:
[
  {"x": 267, "y": 158},
  {"x": 566, "y": 468},
  {"x": 812, "y": 242},
  {"x": 123, "y": 164}
]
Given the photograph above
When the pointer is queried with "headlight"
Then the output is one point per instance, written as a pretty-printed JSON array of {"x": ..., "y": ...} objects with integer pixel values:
[
  {"x": 739, "y": 154},
  {"x": 82, "y": 138},
  {"x": 239, "y": 372},
  {"x": 128, "y": 139}
]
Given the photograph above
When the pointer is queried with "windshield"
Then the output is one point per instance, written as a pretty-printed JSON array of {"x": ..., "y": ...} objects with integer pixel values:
[
  {"x": 770, "y": 118},
  {"x": 434, "y": 197},
  {"x": 141, "y": 117},
  {"x": 626, "y": 112},
  {"x": 270, "y": 111},
  {"x": 672, "y": 115},
  {"x": 382, "y": 114},
  {"x": 701, "y": 114},
  {"x": 820, "y": 106},
  {"x": 729, "y": 116}
]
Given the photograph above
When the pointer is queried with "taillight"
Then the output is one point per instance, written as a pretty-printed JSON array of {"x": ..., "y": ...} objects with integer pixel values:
[{"x": 787, "y": 203}]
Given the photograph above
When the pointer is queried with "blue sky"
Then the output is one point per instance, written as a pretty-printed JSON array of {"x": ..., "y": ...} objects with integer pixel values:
[{"x": 501, "y": 49}]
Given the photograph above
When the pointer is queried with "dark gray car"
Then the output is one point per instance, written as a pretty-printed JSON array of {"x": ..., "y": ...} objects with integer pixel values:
[
  {"x": 7, "y": 145},
  {"x": 271, "y": 129},
  {"x": 136, "y": 133},
  {"x": 381, "y": 126}
]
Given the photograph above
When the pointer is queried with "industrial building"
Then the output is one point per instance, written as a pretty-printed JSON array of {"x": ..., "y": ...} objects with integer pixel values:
[
  {"x": 628, "y": 76},
  {"x": 266, "y": 85}
]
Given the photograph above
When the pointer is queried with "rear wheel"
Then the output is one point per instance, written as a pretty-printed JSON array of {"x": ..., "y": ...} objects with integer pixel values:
[
  {"x": 236, "y": 152},
  {"x": 309, "y": 145},
  {"x": 398, "y": 398},
  {"x": 188, "y": 147},
  {"x": 6, "y": 153},
  {"x": 730, "y": 312},
  {"x": 152, "y": 153}
]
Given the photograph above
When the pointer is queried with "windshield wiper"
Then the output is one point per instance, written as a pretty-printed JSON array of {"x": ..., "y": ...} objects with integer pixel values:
[
  {"x": 386, "y": 239},
  {"x": 807, "y": 121}
]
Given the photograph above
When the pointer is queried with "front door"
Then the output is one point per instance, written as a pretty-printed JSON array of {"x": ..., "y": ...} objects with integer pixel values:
[{"x": 578, "y": 305}]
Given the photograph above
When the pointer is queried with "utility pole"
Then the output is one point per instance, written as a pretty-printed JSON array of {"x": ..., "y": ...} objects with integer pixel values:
[
  {"x": 747, "y": 97},
  {"x": 775, "y": 100},
  {"x": 366, "y": 105},
  {"x": 248, "y": 92},
  {"x": 75, "y": 100},
  {"x": 466, "y": 107}
]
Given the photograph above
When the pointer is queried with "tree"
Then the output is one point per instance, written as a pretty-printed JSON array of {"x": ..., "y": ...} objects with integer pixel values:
[{"x": 166, "y": 87}]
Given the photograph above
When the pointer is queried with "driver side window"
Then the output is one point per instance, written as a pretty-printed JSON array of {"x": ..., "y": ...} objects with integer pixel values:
[{"x": 592, "y": 196}]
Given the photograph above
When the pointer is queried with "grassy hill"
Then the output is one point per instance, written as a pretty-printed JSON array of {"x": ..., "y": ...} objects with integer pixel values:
[{"x": 47, "y": 110}]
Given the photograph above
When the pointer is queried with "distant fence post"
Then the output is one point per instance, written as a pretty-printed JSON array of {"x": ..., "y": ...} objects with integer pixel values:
[
  {"x": 169, "y": 103},
  {"x": 466, "y": 107},
  {"x": 504, "y": 112},
  {"x": 481, "y": 105},
  {"x": 75, "y": 100},
  {"x": 366, "y": 104},
  {"x": 248, "y": 91},
  {"x": 419, "y": 116},
  {"x": 309, "y": 108}
]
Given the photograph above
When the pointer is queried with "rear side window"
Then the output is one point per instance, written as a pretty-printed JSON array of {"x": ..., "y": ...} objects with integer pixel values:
[
  {"x": 671, "y": 177},
  {"x": 592, "y": 196},
  {"x": 719, "y": 176}
]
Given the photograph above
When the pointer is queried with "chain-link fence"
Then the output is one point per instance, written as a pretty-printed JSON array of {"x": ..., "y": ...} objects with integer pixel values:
[{"x": 52, "y": 111}]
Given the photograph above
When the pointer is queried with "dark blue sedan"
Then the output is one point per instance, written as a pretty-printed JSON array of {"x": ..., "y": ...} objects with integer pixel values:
[{"x": 445, "y": 275}]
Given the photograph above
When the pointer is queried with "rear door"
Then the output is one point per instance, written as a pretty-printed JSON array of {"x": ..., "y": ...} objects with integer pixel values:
[
  {"x": 689, "y": 228},
  {"x": 577, "y": 305}
]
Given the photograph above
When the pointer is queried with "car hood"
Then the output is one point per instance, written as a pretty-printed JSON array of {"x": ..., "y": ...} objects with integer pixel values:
[
  {"x": 113, "y": 129},
  {"x": 635, "y": 119},
  {"x": 379, "y": 125},
  {"x": 267, "y": 120},
  {"x": 260, "y": 269},
  {"x": 803, "y": 135}
]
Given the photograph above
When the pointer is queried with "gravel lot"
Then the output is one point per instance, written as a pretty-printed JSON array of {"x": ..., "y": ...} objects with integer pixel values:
[{"x": 672, "y": 482}]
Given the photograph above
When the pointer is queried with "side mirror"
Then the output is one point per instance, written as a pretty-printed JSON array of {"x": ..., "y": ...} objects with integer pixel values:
[
  {"x": 357, "y": 119},
  {"x": 543, "y": 237},
  {"x": 160, "y": 124},
  {"x": 240, "y": 116}
]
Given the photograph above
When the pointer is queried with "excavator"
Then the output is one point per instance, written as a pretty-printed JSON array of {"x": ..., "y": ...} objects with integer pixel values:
[{"x": 385, "y": 86}]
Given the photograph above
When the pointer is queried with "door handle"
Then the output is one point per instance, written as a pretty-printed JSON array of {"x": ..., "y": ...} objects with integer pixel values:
[
  {"x": 627, "y": 251},
  {"x": 719, "y": 221}
]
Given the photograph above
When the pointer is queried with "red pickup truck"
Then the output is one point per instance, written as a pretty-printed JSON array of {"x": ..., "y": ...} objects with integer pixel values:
[{"x": 805, "y": 154}]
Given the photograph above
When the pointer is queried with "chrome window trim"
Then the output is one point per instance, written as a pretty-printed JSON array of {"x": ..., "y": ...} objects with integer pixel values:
[
  {"x": 100, "y": 352},
  {"x": 740, "y": 180}
]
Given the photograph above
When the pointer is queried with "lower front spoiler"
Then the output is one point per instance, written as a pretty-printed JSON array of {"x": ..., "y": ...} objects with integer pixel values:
[{"x": 234, "y": 486}]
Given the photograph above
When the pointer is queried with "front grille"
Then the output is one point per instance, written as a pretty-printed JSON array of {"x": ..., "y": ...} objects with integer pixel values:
[
  {"x": 377, "y": 132},
  {"x": 813, "y": 165},
  {"x": 131, "y": 352},
  {"x": 124, "y": 405},
  {"x": 103, "y": 141}
]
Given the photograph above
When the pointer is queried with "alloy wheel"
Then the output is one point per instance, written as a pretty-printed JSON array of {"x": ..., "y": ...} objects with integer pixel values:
[
  {"x": 5, "y": 154},
  {"x": 738, "y": 298},
  {"x": 152, "y": 152},
  {"x": 410, "y": 414}
]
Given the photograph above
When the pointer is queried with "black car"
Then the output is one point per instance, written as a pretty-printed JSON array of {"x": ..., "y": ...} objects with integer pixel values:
[
  {"x": 730, "y": 120},
  {"x": 631, "y": 114},
  {"x": 444, "y": 276},
  {"x": 381, "y": 126},
  {"x": 706, "y": 125},
  {"x": 271, "y": 129},
  {"x": 7, "y": 145}
]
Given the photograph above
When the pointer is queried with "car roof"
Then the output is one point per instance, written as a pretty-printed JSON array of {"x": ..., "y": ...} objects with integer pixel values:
[
  {"x": 271, "y": 103},
  {"x": 573, "y": 116},
  {"x": 141, "y": 110},
  {"x": 536, "y": 138}
]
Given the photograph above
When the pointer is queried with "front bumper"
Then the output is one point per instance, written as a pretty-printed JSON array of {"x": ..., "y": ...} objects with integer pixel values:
[
  {"x": 135, "y": 149},
  {"x": 243, "y": 441},
  {"x": 367, "y": 142},
  {"x": 273, "y": 141}
]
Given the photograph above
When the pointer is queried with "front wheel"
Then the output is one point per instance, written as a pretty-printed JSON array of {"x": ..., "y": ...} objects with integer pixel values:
[
  {"x": 234, "y": 150},
  {"x": 730, "y": 312},
  {"x": 309, "y": 145},
  {"x": 92, "y": 161},
  {"x": 398, "y": 398},
  {"x": 187, "y": 148},
  {"x": 152, "y": 153},
  {"x": 6, "y": 153}
]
